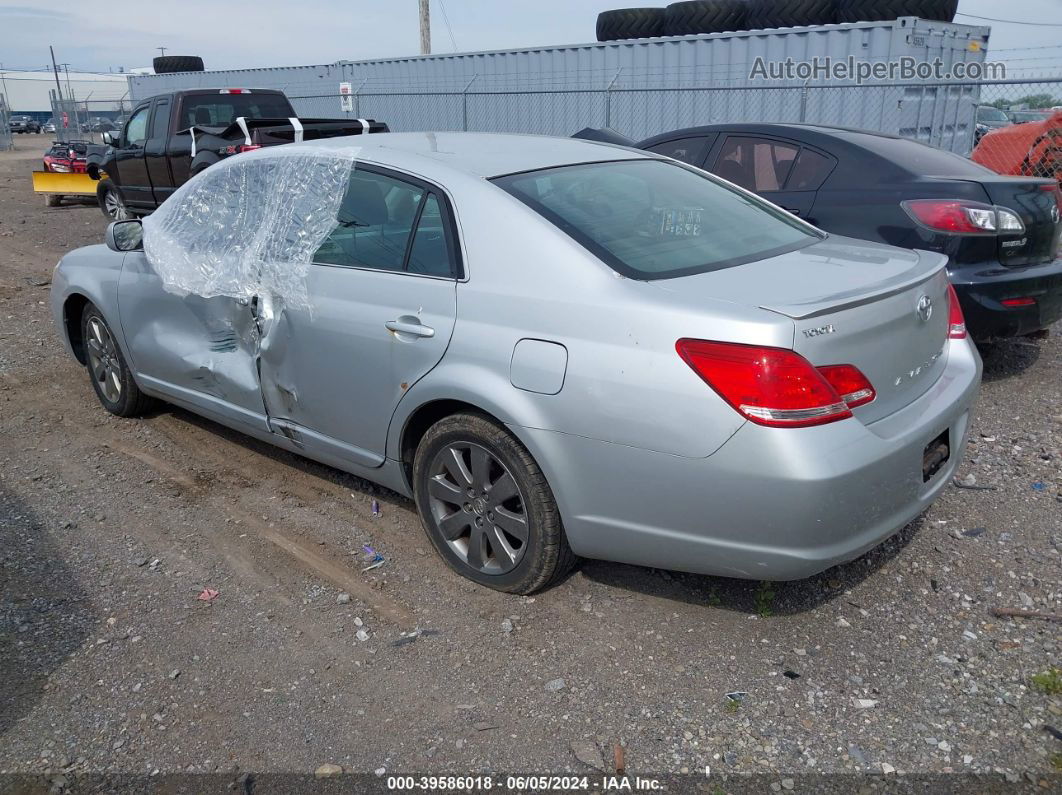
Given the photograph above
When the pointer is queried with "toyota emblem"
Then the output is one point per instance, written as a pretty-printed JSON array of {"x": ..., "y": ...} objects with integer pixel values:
[{"x": 925, "y": 308}]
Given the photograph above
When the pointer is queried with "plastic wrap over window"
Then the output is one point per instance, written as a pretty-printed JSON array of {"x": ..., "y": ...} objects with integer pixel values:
[{"x": 250, "y": 225}]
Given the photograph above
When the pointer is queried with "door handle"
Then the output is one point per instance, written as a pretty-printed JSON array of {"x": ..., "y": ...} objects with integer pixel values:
[
  {"x": 409, "y": 327},
  {"x": 792, "y": 210}
]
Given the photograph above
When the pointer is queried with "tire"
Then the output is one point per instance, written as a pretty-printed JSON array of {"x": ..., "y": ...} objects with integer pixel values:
[
  {"x": 630, "y": 23},
  {"x": 705, "y": 16},
  {"x": 111, "y": 378},
  {"x": 790, "y": 13},
  {"x": 165, "y": 64},
  {"x": 884, "y": 10},
  {"x": 52, "y": 200},
  {"x": 112, "y": 203},
  {"x": 456, "y": 496}
]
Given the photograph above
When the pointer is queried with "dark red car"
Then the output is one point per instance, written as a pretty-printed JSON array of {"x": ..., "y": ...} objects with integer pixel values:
[{"x": 66, "y": 157}]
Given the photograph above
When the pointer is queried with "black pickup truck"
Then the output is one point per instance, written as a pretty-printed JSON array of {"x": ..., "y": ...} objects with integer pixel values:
[{"x": 170, "y": 138}]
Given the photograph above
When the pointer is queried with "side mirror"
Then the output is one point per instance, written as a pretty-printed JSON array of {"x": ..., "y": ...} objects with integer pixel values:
[
  {"x": 110, "y": 139},
  {"x": 125, "y": 236}
]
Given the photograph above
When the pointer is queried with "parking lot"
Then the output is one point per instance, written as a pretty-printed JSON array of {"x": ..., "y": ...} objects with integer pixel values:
[{"x": 110, "y": 530}]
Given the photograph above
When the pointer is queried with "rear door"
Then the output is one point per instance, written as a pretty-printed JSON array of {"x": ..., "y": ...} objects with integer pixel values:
[
  {"x": 383, "y": 288},
  {"x": 129, "y": 160},
  {"x": 155, "y": 158}
]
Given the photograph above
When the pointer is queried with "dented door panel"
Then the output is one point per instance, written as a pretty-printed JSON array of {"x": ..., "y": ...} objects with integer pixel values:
[
  {"x": 332, "y": 374},
  {"x": 197, "y": 350}
]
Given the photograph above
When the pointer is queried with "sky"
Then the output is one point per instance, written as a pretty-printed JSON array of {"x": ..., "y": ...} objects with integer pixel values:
[{"x": 95, "y": 36}]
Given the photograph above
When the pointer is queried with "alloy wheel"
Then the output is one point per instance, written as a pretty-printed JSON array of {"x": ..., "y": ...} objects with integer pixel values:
[
  {"x": 477, "y": 507},
  {"x": 103, "y": 359},
  {"x": 115, "y": 207}
]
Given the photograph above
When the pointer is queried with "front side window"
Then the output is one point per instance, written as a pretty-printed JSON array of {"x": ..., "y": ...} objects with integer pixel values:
[
  {"x": 688, "y": 150},
  {"x": 653, "y": 219},
  {"x": 136, "y": 130}
]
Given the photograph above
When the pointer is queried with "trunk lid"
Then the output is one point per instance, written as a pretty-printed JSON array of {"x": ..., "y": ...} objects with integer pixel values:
[
  {"x": 853, "y": 302},
  {"x": 1036, "y": 203}
]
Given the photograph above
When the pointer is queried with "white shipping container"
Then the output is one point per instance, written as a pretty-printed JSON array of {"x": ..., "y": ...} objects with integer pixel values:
[{"x": 645, "y": 86}]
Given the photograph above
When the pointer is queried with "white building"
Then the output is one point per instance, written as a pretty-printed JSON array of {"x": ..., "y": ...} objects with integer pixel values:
[{"x": 28, "y": 92}]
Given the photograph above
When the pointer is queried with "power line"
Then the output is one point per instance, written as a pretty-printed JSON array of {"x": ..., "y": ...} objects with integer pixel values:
[
  {"x": 449, "y": 30},
  {"x": 1014, "y": 21}
]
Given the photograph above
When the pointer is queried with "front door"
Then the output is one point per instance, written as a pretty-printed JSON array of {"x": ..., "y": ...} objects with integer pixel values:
[
  {"x": 130, "y": 163},
  {"x": 198, "y": 352},
  {"x": 383, "y": 301}
]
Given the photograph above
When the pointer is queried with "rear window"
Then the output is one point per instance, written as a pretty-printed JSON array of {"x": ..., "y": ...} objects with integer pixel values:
[
  {"x": 916, "y": 158},
  {"x": 221, "y": 110},
  {"x": 655, "y": 219},
  {"x": 988, "y": 113}
]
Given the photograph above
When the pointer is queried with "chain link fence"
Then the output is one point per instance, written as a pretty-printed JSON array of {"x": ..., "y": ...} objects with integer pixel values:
[
  {"x": 6, "y": 141},
  {"x": 87, "y": 120},
  {"x": 948, "y": 115}
]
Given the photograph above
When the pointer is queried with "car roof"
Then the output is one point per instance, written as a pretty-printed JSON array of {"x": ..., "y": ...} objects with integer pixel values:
[
  {"x": 478, "y": 154},
  {"x": 806, "y": 132}
]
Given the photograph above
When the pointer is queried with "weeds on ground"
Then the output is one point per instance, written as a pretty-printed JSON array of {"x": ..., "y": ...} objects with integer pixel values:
[
  {"x": 1056, "y": 760},
  {"x": 764, "y": 599},
  {"x": 1049, "y": 682},
  {"x": 733, "y": 706}
]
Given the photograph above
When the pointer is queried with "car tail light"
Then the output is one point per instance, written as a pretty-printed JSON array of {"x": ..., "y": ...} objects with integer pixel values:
[
  {"x": 956, "y": 322},
  {"x": 956, "y": 217},
  {"x": 769, "y": 386},
  {"x": 234, "y": 91},
  {"x": 248, "y": 147},
  {"x": 1024, "y": 301},
  {"x": 848, "y": 382}
]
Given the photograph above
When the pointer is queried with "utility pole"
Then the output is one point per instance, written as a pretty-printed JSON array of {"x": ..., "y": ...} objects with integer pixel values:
[
  {"x": 162, "y": 50},
  {"x": 55, "y": 71},
  {"x": 425, "y": 28}
]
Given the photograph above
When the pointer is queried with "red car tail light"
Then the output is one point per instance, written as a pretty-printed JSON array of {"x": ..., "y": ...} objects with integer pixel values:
[
  {"x": 848, "y": 382},
  {"x": 957, "y": 217},
  {"x": 248, "y": 147},
  {"x": 769, "y": 386},
  {"x": 956, "y": 322}
]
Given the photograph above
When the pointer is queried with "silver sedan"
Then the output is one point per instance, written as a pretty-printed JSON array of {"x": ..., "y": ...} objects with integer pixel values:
[{"x": 557, "y": 348}]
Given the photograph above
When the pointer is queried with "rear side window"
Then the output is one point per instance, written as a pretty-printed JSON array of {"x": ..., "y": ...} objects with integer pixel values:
[
  {"x": 756, "y": 164},
  {"x": 161, "y": 120},
  {"x": 654, "y": 219},
  {"x": 221, "y": 110},
  {"x": 385, "y": 223},
  {"x": 809, "y": 171},
  {"x": 688, "y": 150}
]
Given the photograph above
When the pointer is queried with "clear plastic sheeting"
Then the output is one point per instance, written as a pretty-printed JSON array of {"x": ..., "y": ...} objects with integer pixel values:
[{"x": 249, "y": 226}]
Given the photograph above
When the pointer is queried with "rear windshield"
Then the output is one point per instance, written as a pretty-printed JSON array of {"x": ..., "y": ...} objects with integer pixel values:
[
  {"x": 988, "y": 113},
  {"x": 655, "y": 219},
  {"x": 916, "y": 158},
  {"x": 221, "y": 110}
]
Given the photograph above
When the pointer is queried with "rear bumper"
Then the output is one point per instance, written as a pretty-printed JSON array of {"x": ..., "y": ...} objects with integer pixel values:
[
  {"x": 982, "y": 288},
  {"x": 770, "y": 504}
]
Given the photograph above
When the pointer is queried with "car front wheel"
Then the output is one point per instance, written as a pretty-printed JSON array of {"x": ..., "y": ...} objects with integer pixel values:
[
  {"x": 110, "y": 375},
  {"x": 487, "y": 508},
  {"x": 112, "y": 203}
]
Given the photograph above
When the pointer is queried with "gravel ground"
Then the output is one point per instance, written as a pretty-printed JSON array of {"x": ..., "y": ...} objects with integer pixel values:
[{"x": 109, "y": 661}]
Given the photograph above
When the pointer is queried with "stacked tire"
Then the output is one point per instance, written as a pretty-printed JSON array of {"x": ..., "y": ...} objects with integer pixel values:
[
  {"x": 692, "y": 17},
  {"x": 630, "y": 23},
  {"x": 168, "y": 64}
]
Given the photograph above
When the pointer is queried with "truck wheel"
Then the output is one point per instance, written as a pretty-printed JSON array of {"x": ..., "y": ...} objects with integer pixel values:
[
  {"x": 112, "y": 203},
  {"x": 166, "y": 64},
  {"x": 52, "y": 200},
  {"x": 630, "y": 23},
  {"x": 705, "y": 16}
]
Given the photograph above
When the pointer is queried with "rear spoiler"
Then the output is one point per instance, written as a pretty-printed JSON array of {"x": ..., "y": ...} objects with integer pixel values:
[
  {"x": 289, "y": 130},
  {"x": 603, "y": 135}
]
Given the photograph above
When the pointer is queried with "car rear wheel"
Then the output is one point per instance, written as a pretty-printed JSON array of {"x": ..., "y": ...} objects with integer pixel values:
[
  {"x": 112, "y": 203},
  {"x": 487, "y": 508},
  {"x": 111, "y": 377}
]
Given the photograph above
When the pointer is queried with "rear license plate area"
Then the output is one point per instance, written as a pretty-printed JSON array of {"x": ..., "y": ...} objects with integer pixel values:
[{"x": 935, "y": 455}]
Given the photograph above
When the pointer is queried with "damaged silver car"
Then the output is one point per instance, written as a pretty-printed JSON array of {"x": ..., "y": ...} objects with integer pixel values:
[{"x": 558, "y": 348}]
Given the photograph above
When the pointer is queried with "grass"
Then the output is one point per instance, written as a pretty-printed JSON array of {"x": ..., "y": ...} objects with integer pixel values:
[
  {"x": 764, "y": 599},
  {"x": 733, "y": 706},
  {"x": 1056, "y": 760},
  {"x": 1049, "y": 682}
]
